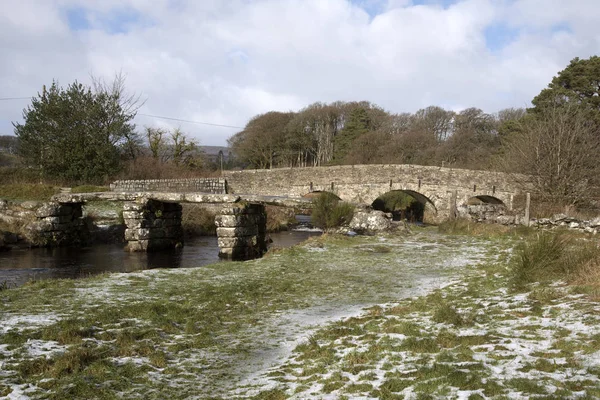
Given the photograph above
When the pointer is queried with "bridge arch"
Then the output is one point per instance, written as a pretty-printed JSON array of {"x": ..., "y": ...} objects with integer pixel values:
[
  {"x": 406, "y": 204},
  {"x": 484, "y": 199}
]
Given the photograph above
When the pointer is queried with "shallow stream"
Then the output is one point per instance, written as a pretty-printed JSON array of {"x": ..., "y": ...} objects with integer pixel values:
[{"x": 21, "y": 265}]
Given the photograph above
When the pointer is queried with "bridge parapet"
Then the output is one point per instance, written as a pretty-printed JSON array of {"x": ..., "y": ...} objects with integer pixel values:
[{"x": 205, "y": 185}]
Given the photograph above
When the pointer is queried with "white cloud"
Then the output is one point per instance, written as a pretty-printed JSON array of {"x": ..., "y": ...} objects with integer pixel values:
[{"x": 225, "y": 61}]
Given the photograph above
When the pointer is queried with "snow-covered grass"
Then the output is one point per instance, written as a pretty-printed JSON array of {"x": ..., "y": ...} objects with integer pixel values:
[
  {"x": 364, "y": 317},
  {"x": 473, "y": 339}
]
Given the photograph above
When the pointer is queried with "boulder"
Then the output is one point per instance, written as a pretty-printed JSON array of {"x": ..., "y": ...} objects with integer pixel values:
[{"x": 370, "y": 221}]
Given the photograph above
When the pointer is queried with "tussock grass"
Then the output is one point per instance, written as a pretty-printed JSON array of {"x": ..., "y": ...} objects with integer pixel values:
[{"x": 549, "y": 257}]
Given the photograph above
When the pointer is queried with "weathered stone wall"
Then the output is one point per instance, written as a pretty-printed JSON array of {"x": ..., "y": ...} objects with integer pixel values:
[
  {"x": 497, "y": 214},
  {"x": 202, "y": 185},
  {"x": 364, "y": 183},
  {"x": 59, "y": 224},
  {"x": 241, "y": 231},
  {"x": 152, "y": 225}
]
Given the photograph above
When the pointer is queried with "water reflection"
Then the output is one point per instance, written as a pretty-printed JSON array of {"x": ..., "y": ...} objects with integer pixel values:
[{"x": 21, "y": 265}]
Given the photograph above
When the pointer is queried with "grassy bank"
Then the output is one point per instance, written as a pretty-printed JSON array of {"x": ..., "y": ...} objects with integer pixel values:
[
  {"x": 478, "y": 338},
  {"x": 423, "y": 315},
  {"x": 203, "y": 332}
]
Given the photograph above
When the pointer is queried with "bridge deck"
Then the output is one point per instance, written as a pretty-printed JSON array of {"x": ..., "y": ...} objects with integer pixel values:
[{"x": 181, "y": 198}]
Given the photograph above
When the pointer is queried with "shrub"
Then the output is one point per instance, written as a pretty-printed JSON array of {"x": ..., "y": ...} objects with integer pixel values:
[{"x": 329, "y": 212}]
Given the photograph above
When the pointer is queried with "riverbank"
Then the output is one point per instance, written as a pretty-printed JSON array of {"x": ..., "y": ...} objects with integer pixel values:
[{"x": 335, "y": 317}]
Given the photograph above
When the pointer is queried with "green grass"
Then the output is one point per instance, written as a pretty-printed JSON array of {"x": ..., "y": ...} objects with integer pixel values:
[
  {"x": 89, "y": 189},
  {"x": 27, "y": 191},
  {"x": 176, "y": 331}
]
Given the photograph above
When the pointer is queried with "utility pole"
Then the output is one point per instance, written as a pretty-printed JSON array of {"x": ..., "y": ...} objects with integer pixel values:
[{"x": 221, "y": 160}]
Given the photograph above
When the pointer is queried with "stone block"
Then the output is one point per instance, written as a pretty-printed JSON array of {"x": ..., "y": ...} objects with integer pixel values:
[
  {"x": 242, "y": 241},
  {"x": 134, "y": 223},
  {"x": 505, "y": 219},
  {"x": 60, "y": 219},
  {"x": 53, "y": 209},
  {"x": 128, "y": 215},
  {"x": 236, "y": 220},
  {"x": 237, "y": 231},
  {"x": 239, "y": 208},
  {"x": 133, "y": 206},
  {"x": 29, "y": 205}
]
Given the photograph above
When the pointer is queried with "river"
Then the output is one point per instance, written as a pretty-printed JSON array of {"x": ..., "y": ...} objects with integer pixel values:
[{"x": 19, "y": 266}]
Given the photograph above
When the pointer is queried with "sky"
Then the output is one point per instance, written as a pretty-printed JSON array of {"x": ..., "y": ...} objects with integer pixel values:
[{"x": 225, "y": 61}]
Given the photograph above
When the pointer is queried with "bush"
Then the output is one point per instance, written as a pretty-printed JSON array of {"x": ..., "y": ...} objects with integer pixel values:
[{"x": 328, "y": 212}]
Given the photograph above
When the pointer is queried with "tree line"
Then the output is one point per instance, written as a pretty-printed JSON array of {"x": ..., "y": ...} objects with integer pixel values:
[
  {"x": 364, "y": 133},
  {"x": 557, "y": 140}
]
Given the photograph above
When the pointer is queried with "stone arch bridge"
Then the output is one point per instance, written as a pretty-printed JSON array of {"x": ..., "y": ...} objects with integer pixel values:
[
  {"x": 442, "y": 188},
  {"x": 152, "y": 208}
]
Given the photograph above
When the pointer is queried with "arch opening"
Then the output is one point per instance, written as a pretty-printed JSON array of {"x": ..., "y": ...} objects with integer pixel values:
[
  {"x": 484, "y": 199},
  {"x": 405, "y": 205}
]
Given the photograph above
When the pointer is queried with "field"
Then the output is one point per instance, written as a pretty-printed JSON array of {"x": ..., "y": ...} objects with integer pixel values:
[{"x": 422, "y": 315}]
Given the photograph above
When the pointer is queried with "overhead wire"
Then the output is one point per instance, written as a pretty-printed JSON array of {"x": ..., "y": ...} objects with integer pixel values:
[{"x": 151, "y": 116}]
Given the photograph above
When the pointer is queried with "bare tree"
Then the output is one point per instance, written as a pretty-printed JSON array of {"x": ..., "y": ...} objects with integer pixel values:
[
  {"x": 559, "y": 151},
  {"x": 130, "y": 141}
]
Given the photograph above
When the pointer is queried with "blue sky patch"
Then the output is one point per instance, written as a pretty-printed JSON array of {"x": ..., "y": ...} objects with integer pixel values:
[
  {"x": 115, "y": 21},
  {"x": 376, "y": 7},
  {"x": 499, "y": 35},
  {"x": 77, "y": 19}
]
